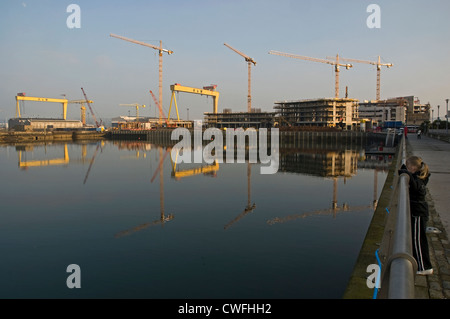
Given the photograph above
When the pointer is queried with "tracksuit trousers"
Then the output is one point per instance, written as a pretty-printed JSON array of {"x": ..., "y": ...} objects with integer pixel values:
[{"x": 420, "y": 242}]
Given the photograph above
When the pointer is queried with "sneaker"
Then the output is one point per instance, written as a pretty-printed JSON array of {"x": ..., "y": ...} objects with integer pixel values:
[{"x": 425, "y": 272}]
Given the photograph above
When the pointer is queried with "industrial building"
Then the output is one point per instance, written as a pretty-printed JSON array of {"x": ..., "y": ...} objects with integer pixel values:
[
  {"x": 326, "y": 112},
  {"x": 416, "y": 112},
  {"x": 146, "y": 123},
  {"x": 407, "y": 110},
  {"x": 40, "y": 124},
  {"x": 255, "y": 119},
  {"x": 378, "y": 112}
]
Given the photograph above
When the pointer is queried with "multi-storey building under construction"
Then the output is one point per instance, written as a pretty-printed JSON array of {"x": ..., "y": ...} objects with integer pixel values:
[{"x": 326, "y": 112}]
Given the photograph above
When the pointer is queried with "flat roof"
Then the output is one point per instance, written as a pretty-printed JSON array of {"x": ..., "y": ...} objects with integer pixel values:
[
  {"x": 42, "y": 119},
  {"x": 316, "y": 100}
]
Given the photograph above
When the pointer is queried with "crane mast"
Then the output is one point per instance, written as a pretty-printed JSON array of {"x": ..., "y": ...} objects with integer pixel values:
[
  {"x": 249, "y": 61},
  {"x": 335, "y": 63}
]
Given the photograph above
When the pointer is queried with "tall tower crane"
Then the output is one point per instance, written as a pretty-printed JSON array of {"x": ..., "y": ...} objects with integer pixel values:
[
  {"x": 249, "y": 61},
  {"x": 137, "y": 106},
  {"x": 379, "y": 65},
  {"x": 161, "y": 50},
  {"x": 336, "y": 64}
]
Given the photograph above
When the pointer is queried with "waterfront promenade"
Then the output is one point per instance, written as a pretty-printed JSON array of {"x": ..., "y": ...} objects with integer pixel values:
[{"x": 436, "y": 154}]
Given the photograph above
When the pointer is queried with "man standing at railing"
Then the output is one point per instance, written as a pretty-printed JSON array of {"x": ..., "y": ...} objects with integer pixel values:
[{"x": 419, "y": 175}]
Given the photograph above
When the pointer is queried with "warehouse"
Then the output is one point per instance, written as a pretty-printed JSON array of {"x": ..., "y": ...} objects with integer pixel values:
[{"x": 40, "y": 124}]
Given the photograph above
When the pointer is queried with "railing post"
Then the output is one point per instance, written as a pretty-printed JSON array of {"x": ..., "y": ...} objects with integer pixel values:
[{"x": 402, "y": 264}]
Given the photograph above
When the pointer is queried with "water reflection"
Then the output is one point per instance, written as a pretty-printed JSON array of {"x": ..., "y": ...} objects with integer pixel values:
[
  {"x": 120, "y": 198},
  {"x": 160, "y": 169},
  {"x": 24, "y": 164},
  {"x": 250, "y": 207},
  {"x": 332, "y": 164}
]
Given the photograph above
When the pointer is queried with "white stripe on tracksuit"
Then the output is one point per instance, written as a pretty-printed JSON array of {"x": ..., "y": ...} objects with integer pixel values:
[{"x": 417, "y": 245}]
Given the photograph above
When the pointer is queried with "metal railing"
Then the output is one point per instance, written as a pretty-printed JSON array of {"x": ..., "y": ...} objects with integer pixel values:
[{"x": 401, "y": 263}]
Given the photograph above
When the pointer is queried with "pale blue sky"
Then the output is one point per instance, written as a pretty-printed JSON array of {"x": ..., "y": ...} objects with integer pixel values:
[{"x": 41, "y": 56}]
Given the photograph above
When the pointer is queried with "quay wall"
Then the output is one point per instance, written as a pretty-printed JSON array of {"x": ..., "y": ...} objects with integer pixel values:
[
  {"x": 287, "y": 139},
  {"x": 41, "y": 136},
  {"x": 375, "y": 237}
]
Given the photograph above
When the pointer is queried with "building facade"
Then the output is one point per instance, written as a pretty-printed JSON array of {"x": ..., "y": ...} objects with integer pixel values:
[
  {"x": 381, "y": 111},
  {"x": 255, "y": 119},
  {"x": 40, "y": 124},
  {"x": 327, "y": 112},
  {"x": 417, "y": 112}
]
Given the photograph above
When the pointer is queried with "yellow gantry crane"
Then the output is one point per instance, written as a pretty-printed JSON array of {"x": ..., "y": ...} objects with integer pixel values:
[
  {"x": 210, "y": 169},
  {"x": 83, "y": 109},
  {"x": 22, "y": 97},
  {"x": 47, "y": 162},
  {"x": 335, "y": 63},
  {"x": 161, "y": 50},
  {"x": 137, "y": 106},
  {"x": 207, "y": 90},
  {"x": 379, "y": 65},
  {"x": 249, "y": 61}
]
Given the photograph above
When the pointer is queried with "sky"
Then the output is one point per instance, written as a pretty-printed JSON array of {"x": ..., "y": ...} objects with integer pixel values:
[{"x": 41, "y": 56}]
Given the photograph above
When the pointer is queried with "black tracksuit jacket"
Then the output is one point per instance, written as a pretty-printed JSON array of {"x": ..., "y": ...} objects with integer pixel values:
[{"x": 417, "y": 193}]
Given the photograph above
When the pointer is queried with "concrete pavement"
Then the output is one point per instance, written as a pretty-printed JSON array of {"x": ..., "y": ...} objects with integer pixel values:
[{"x": 436, "y": 154}]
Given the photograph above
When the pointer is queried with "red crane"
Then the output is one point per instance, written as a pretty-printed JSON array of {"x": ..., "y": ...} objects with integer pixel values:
[
  {"x": 92, "y": 112},
  {"x": 160, "y": 108}
]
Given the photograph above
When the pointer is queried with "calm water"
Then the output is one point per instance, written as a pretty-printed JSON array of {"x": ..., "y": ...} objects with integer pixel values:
[{"x": 139, "y": 232}]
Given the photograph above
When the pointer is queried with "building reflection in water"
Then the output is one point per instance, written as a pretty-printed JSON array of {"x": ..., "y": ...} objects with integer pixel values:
[
  {"x": 332, "y": 164},
  {"x": 329, "y": 162},
  {"x": 25, "y": 164},
  {"x": 23, "y": 150}
]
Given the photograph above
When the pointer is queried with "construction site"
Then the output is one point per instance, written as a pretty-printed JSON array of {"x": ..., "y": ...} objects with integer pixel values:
[{"x": 321, "y": 114}]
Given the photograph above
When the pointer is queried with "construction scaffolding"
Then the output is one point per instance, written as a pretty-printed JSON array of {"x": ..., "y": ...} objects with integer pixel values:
[
  {"x": 327, "y": 112},
  {"x": 255, "y": 119}
]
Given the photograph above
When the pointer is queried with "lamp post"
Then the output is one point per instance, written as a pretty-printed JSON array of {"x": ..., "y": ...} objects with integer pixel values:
[
  {"x": 446, "y": 119},
  {"x": 438, "y": 120}
]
